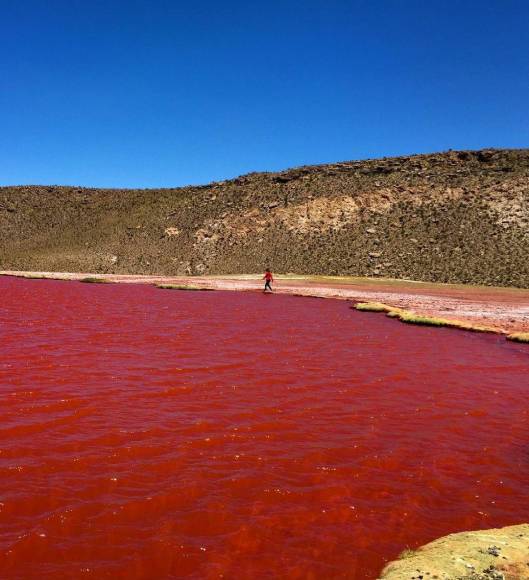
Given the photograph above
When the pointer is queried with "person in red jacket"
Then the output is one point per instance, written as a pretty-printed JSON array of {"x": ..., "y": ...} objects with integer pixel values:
[{"x": 268, "y": 278}]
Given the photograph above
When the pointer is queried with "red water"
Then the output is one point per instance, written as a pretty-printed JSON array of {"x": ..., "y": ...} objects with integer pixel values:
[{"x": 150, "y": 434}]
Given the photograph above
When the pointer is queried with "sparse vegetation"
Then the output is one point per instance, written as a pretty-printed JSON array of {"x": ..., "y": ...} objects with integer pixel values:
[
  {"x": 92, "y": 280},
  {"x": 413, "y": 318},
  {"x": 373, "y": 307},
  {"x": 181, "y": 287},
  {"x": 407, "y": 553},
  {"x": 27, "y": 276}
]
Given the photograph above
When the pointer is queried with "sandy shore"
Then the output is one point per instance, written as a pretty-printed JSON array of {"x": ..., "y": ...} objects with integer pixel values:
[{"x": 506, "y": 310}]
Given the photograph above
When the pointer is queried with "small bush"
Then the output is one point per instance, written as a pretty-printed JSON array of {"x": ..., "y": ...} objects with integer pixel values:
[{"x": 407, "y": 553}]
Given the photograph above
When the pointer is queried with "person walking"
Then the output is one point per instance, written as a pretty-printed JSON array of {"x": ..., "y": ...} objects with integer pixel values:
[{"x": 268, "y": 278}]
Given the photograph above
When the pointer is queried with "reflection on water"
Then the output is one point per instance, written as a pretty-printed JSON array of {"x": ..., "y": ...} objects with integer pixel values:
[{"x": 148, "y": 433}]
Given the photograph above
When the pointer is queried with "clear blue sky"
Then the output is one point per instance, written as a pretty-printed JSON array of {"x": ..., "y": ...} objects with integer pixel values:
[{"x": 145, "y": 93}]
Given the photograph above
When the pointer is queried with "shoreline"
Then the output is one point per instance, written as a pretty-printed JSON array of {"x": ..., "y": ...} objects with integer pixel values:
[
  {"x": 501, "y": 310},
  {"x": 479, "y": 554}
]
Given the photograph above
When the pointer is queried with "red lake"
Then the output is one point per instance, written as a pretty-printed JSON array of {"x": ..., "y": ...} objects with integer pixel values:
[{"x": 147, "y": 433}]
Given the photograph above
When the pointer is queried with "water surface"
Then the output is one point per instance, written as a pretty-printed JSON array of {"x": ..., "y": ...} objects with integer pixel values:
[{"x": 150, "y": 434}]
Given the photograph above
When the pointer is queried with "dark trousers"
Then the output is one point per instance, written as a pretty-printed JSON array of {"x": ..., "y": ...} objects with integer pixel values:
[{"x": 267, "y": 285}]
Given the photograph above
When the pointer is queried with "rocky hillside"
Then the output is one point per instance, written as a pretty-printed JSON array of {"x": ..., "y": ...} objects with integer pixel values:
[{"x": 460, "y": 216}]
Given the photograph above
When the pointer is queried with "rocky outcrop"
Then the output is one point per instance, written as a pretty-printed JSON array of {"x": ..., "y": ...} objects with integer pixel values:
[
  {"x": 448, "y": 217},
  {"x": 496, "y": 554}
]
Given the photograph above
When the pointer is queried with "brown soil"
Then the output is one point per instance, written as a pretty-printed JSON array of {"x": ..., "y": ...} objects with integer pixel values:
[
  {"x": 504, "y": 309},
  {"x": 448, "y": 217}
]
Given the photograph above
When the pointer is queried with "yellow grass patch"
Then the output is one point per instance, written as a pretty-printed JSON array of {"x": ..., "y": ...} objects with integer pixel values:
[
  {"x": 410, "y": 317},
  {"x": 373, "y": 307},
  {"x": 519, "y": 337}
]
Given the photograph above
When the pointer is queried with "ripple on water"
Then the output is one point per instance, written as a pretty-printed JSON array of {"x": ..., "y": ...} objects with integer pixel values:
[{"x": 150, "y": 434}]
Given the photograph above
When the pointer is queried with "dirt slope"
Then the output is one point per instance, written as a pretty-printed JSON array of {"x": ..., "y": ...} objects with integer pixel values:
[{"x": 450, "y": 217}]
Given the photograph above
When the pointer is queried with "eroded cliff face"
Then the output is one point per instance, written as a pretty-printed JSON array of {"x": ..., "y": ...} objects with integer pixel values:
[{"x": 448, "y": 217}]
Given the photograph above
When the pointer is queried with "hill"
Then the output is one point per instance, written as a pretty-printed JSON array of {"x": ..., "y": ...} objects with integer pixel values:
[{"x": 459, "y": 216}]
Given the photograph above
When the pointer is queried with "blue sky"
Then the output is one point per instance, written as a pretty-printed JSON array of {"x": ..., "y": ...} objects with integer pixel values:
[{"x": 152, "y": 93}]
